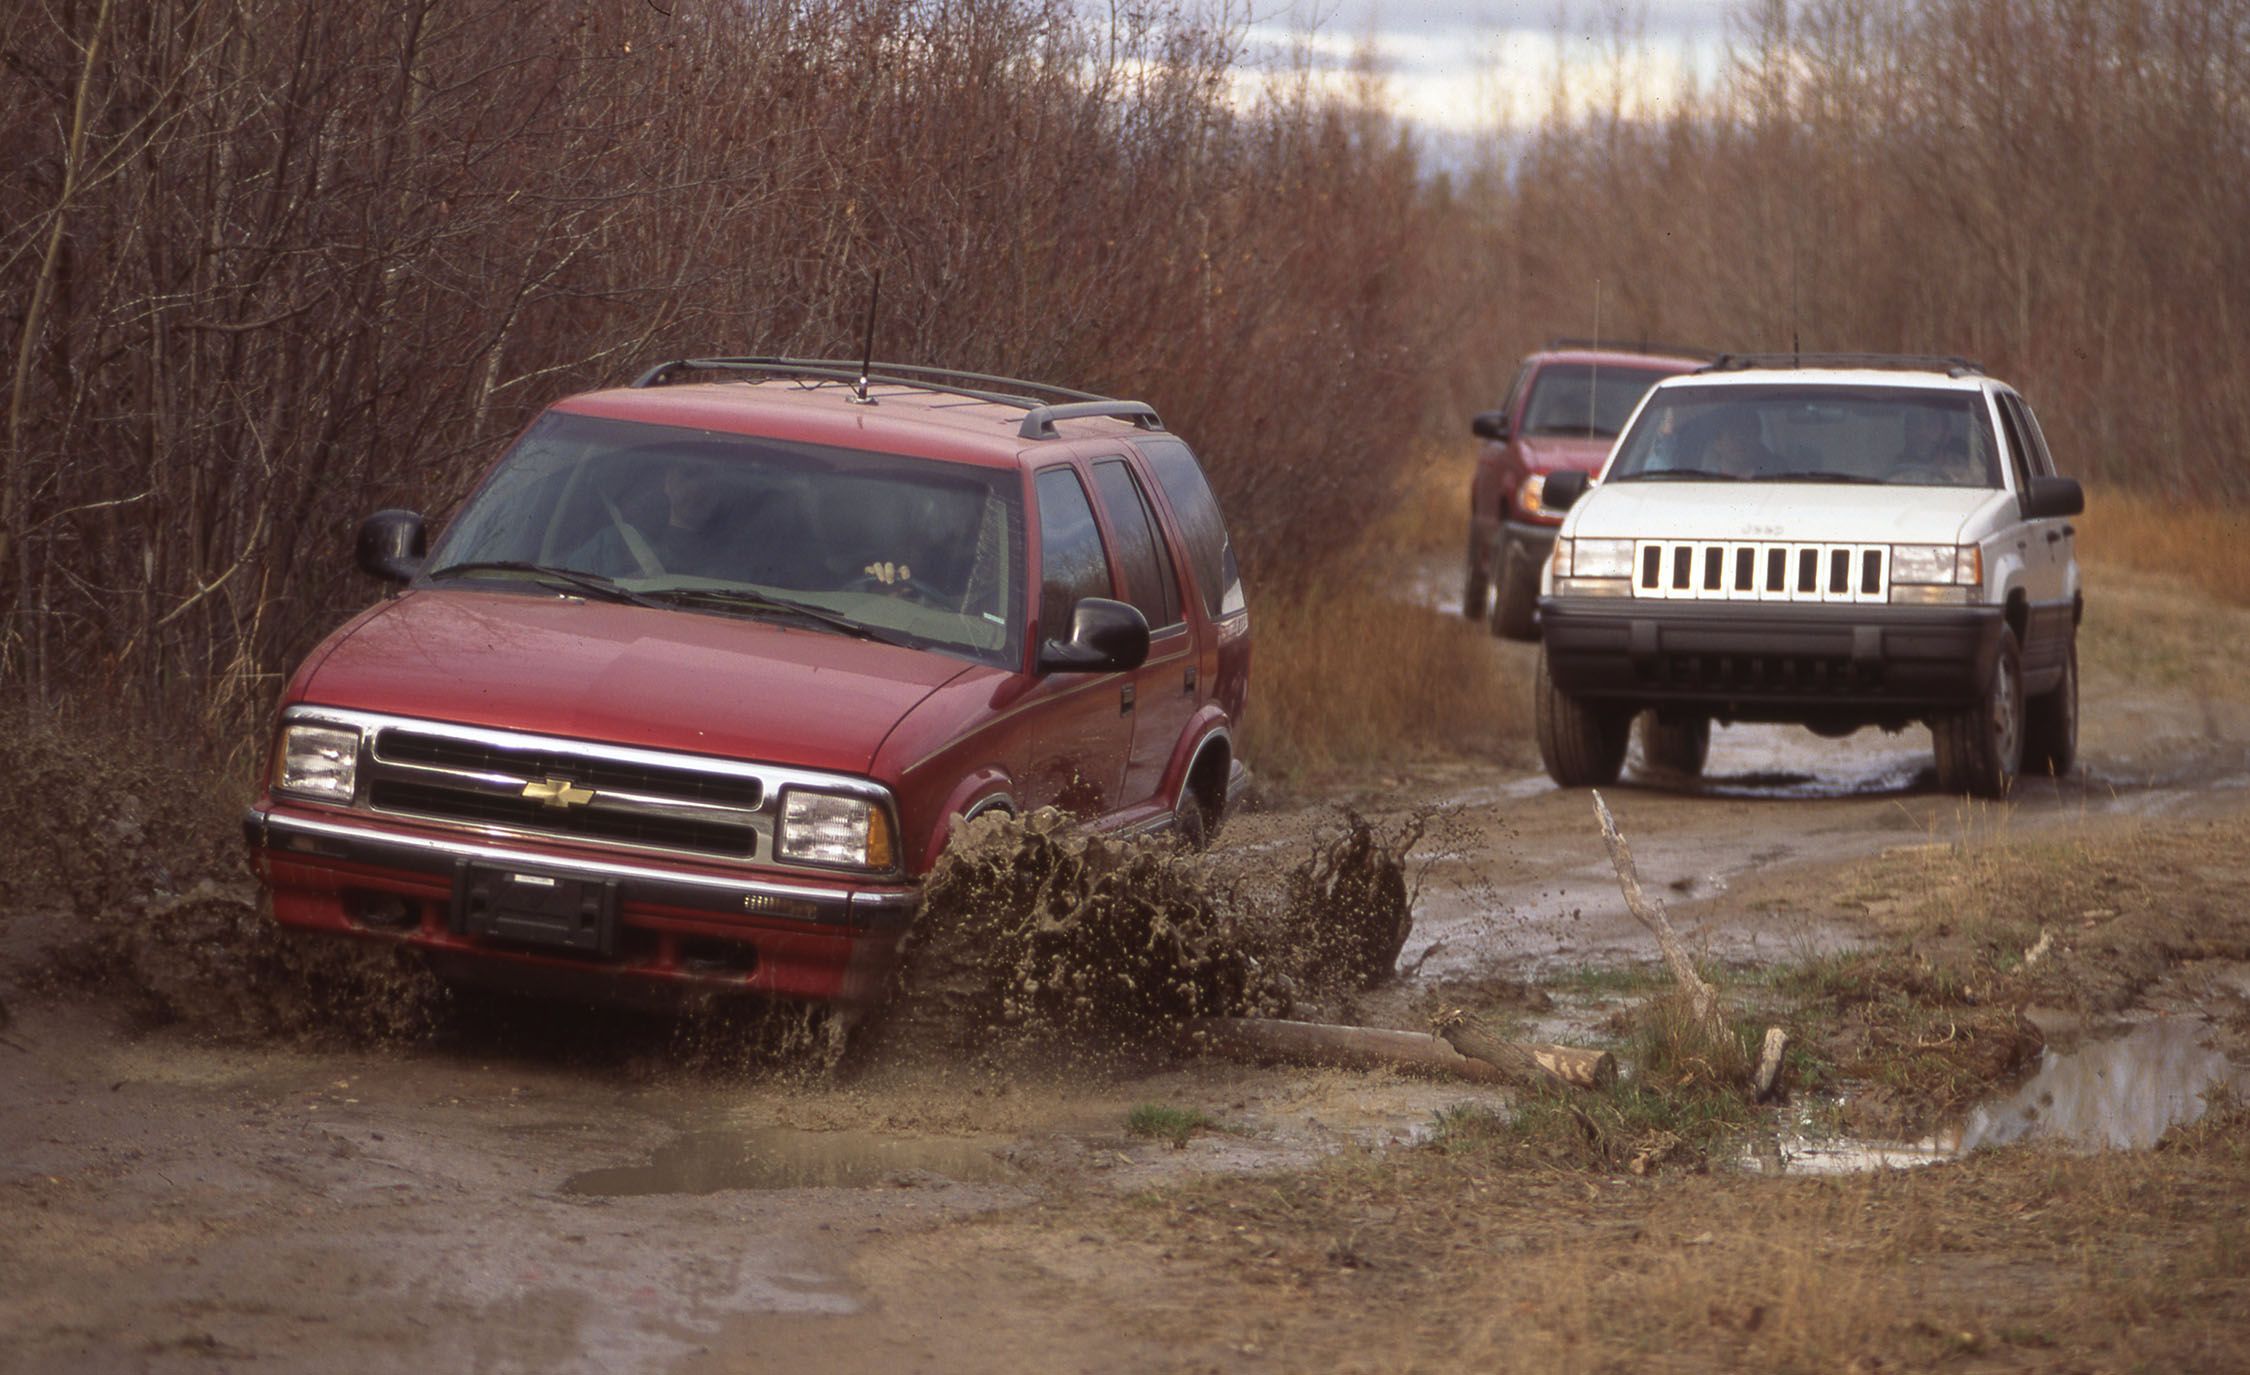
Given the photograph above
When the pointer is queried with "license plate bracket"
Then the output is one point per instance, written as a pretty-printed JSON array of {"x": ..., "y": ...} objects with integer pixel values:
[{"x": 528, "y": 907}]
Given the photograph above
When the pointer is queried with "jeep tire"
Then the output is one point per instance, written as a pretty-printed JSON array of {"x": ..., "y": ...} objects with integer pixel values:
[
  {"x": 1474, "y": 585},
  {"x": 1515, "y": 600},
  {"x": 1981, "y": 748},
  {"x": 2050, "y": 724},
  {"x": 1675, "y": 743},
  {"x": 1581, "y": 743}
]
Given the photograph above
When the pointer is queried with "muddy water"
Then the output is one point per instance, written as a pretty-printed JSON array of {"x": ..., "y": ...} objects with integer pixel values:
[
  {"x": 2118, "y": 1094},
  {"x": 710, "y": 1162}
]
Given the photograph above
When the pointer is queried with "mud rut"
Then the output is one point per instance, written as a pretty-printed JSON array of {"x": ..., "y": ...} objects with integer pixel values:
[{"x": 322, "y": 1182}]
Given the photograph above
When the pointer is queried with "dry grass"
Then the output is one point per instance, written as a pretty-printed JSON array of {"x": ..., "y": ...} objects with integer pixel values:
[{"x": 2206, "y": 547}]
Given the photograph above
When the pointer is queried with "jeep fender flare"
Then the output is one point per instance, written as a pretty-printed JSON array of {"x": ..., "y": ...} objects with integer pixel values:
[
  {"x": 984, "y": 790},
  {"x": 1207, "y": 732}
]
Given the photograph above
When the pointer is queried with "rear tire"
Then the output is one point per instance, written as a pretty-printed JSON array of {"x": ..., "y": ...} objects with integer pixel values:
[
  {"x": 1581, "y": 743},
  {"x": 1515, "y": 602},
  {"x": 1474, "y": 586},
  {"x": 2050, "y": 727},
  {"x": 1980, "y": 749},
  {"x": 1675, "y": 744}
]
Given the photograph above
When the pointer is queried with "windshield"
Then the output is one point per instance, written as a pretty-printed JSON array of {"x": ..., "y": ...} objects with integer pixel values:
[
  {"x": 1585, "y": 399},
  {"x": 1892, "y": 436},
  {"x": 915, "y": 551}
]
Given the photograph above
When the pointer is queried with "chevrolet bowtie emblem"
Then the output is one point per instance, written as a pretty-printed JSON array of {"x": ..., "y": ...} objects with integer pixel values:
[{"x": 557, "y": 792}]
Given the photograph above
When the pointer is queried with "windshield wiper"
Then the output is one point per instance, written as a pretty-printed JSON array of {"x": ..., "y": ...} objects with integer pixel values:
[
  {"x": 1808, "y": 475},
  {"x": 1677, "y": 475},
  {"x": 576, "y": 580},
  {"x": 743, "y": 599}
]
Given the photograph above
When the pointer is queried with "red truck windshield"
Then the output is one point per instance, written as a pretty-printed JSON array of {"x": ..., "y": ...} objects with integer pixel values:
[{"x": 916, "y": 551}]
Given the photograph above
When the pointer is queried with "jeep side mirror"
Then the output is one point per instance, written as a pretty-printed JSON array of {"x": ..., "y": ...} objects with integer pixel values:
[
  {"x": 1561, "y": 490},
  {"x": 1105, "y": 637},
  {"x": 391, "y": 546},
  {"x": 2048, "y": 497},
  {"x": 1491, "y": 425}
]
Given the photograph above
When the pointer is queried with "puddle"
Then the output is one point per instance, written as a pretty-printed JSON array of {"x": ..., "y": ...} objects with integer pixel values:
[
  {"x": 2118, "y": 1095},
  {"x": 708, "y": 1162}
]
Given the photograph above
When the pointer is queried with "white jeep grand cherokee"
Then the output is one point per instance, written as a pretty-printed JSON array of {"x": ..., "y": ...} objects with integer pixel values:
[{"x": 1836, "y": 541}]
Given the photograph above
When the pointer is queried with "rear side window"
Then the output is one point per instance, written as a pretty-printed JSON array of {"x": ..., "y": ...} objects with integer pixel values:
[
  {"x": 1201, "y": 528},
  {"x": 1145, "y": 562},
  {"x": 1072, "y": 564}
]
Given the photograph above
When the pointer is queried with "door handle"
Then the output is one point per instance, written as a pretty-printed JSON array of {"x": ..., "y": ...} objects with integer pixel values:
[
  {"x": 2054, "y": 537},
  {"x": 1125, "y": 700},
  {"x": 1188, "y": 683}
]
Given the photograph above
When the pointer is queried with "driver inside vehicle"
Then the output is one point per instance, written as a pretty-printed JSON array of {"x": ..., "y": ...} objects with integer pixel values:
[
  {"x": 696, "y": 522},
  {"x": 1933, "y": 454},
  {"x": 1735, "y": 445}
]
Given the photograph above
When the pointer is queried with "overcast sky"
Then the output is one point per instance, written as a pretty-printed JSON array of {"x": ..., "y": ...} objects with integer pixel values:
[{"x": 1457, "y": 66}]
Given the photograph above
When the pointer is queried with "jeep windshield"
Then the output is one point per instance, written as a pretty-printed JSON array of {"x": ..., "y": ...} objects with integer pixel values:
[
  {"x": 912, "y": 551},
  {"x": 1889, "y": 436},
  {"x": 1585, "y": 399}
]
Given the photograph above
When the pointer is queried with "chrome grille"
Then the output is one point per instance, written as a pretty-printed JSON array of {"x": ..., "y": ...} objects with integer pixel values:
[{"x": 1761, "y": 570}]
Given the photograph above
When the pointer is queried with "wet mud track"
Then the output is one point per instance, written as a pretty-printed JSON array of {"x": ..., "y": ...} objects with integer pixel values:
[{"x": 172, "y": 1204}]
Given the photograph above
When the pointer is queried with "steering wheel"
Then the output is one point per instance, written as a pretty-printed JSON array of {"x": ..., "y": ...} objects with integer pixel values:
[{"x": 914, "y": 588}]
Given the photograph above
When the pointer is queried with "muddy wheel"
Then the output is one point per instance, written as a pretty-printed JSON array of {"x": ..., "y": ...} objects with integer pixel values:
[
  {"x": 1980, "y": 750},
  {"x": 2050, "y": 724},
  {"x": 1674, "y": 743},
  {"x": 1191, "y": 821},
  {"x": 1581, "y": 743},
  {"x": 1517, "y": 599},
  {"x": 1474, "y": 585}
]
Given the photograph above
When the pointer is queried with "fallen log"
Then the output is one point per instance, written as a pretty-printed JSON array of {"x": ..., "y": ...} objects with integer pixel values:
[
  {"x": 1767, "y": 1081},
  {"x": 1265, "y": 1039},
  {"x": 1526, "y": 1062},
  {"x": 1703, "y": 999}
]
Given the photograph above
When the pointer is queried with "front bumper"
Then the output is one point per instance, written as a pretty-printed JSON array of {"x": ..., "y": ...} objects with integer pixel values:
[
  {"x": 691, "y": 927},
  {"x": 1530, "y": 543},
  {"x": 1783, "y": 662}
]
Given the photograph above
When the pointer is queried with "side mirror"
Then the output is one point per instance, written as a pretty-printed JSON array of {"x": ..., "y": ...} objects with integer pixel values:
[
  {"x": 1105, "y": 637},
  {"x": 1491, "y": 425},
  {"x": 2048, "y": 497},
  {"x": 1562, "y": 490},
  {"x": 391, "y": 546}
]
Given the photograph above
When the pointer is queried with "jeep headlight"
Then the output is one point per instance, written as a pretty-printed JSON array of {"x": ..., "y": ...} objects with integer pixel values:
[
  {"x": 319, "y": 762},
  {"x": 832, "y": 828},
  {"x": 1593, "y": 568},
  {"x": 1947, "y": 574}
]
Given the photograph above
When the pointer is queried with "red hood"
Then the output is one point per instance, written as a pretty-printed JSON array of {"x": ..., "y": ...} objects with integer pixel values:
[
  {"x": 1564, "y": 453},
  {"x": 632, "y": 675}
]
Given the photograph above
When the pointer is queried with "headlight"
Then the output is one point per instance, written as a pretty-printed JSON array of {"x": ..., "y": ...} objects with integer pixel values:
[
  {"x": 1953, "y": 564},
  {"x": 1594, "y": 558},
  {"x": 318, "y": 762},
  {"x": 828, "y": 828},
  {"x": 1528, "y": 494}
]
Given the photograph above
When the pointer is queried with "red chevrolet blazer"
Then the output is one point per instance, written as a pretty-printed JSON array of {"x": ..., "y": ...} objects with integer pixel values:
[{"x": 694, "y": 688}]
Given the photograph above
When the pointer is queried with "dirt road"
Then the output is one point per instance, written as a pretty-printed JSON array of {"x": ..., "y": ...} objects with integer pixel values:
[{"x": 552, "y": 1192}]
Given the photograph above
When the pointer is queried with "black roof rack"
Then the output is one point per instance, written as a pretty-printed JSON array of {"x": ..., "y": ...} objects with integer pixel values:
[
  {"x": 1632, "y": 346},
  {"x": 1044, "y": 402},
  {"x": 1950, "y": 364}
]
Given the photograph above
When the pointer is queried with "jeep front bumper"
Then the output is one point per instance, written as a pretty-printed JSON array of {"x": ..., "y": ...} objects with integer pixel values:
[{"x": 1778, "y": 662}]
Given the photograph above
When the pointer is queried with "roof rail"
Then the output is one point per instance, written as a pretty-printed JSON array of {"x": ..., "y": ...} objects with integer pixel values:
[
  {"x": 1632, "y": 346},
  {"x": 1952, "y": 365},
  {"x": 978, "y": 386},
  {"x": 1039, "y": 423}
]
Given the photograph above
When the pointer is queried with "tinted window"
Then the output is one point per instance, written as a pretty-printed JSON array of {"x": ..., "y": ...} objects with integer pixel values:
[
  {"x": 1201, "y": 528},
  {"x": 1150, "y": 583},
  {"x": 2042, "y": 462},
  {"x": 1899, "y": 436},
  {"x": 1071, "y": 561},
  {"x": 2018, "y": 451}
]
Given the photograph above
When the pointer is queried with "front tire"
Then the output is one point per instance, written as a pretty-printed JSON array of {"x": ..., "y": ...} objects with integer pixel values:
[
  {"x": 1981, "y": 749},
  {"x": 2050, "y": 732},
  {"x": 1675, "y": 744},
  {"x": 1474, "y": 586},
  {"x": 1515, "y": 601},
  {"x": 1581, "y": 743}
]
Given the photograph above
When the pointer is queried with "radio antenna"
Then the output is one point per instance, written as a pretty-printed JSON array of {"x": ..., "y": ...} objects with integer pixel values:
[
  {"x": 867, "y": 352},
  {"x": 1594, "y": 373}
]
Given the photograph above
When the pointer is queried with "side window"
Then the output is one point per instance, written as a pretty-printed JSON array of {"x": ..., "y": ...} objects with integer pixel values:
[
  {"x": 1146, "y": 563},
  {"x": 2016, "y": 447},
  {"x": 1201, "y": 528},
  {"x": 2042, "y": 462},
  {"x": 1072, "y": 563},
  {"x": 1515, "y": 391}
]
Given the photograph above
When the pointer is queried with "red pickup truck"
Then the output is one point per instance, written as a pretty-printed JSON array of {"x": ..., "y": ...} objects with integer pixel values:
[
  {"x": 1563, "y": 411},
  {"x": 696, "y": 685}
]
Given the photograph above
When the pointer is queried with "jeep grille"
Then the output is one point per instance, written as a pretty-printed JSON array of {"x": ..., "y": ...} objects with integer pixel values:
[{"x": 1761, "y": 571}]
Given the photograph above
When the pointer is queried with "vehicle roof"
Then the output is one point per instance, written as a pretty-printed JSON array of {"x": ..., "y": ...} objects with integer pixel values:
[
  {"x": 1620, "y": 358},
  {"x": 897, "y": 418},
  {"x": 1837, "y": 377}
]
